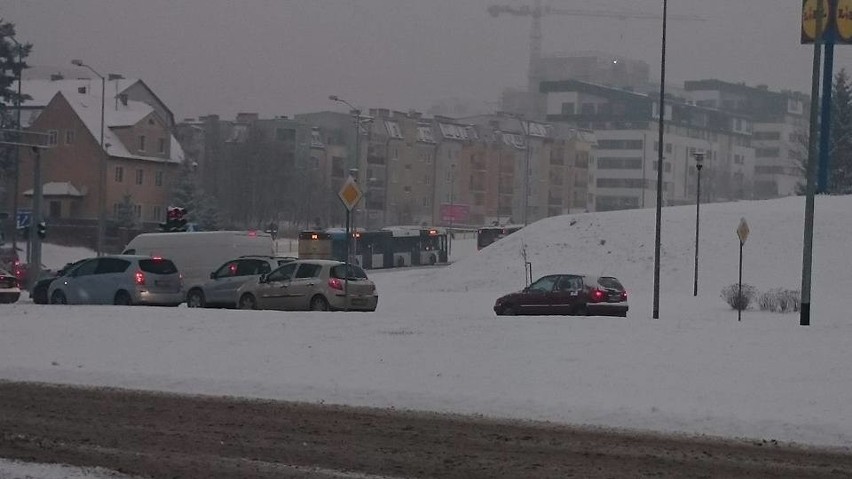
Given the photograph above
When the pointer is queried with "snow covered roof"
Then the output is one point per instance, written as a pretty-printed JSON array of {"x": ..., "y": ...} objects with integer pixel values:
[
  {"x": 63, "y": 188},
  {"x": 84, "y": 96}
]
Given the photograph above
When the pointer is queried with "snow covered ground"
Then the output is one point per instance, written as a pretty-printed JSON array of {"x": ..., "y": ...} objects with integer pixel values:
[{"x": 435, "y": 344}]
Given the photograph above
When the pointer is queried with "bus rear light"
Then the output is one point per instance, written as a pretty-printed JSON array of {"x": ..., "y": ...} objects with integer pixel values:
[
  {"x": 335, "y": 283},
  {"x": 140, "y": 278}
]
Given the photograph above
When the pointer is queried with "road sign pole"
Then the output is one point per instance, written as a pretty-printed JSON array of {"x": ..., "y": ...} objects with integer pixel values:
[
  {"x": 34, "y": 268},
  {"x": 346, "y": 279},
  {"x": 740, "y": 290}
]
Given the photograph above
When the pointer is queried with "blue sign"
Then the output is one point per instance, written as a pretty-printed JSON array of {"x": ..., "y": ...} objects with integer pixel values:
[{"x": 24, "y": 218}]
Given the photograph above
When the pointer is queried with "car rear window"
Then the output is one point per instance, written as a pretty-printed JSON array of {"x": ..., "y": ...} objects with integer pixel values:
[
  {"x": 355, "y": 272},
  {"x": 157, "y": 266},
  {"x": 610, "y": 283}
]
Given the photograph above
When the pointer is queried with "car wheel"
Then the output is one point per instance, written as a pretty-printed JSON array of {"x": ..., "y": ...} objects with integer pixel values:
[
  {"x": 581, "y": 310},
  {"x": 9, "y": 298},
  {"x": 248, "y": 301},
  {"x": 195, "y": 299},
  {"x": 509, "y": 310},
  {"x": 318, "y": 303},
  {"x": 58, "y": 297},
  {"x": 400, "y": 262},
  {"x": 432, "y": 259},
  {"x": 122, "y": 298}
]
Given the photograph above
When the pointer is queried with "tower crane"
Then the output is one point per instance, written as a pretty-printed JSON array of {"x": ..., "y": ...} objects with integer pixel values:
[{"x": 536, "y": 11}]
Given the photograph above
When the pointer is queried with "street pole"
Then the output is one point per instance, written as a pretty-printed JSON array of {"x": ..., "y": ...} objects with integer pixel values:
[
  {"x": 660, "y": 146},
  {"x": 103, "y": 166},
  {"x": 35, "y": 242},
  {"x": 527, "y": 174},
  {"x": 16, "y": 166},
  {"x": 825, "y": 121},
  {"x": 452, "y": 206},
  {"x": 699, "y": 159},
  {"x": 807, "y": 254}
]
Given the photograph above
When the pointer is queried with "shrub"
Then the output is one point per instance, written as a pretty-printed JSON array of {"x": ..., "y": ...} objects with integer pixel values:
[
  {"x": 736, "y": 301},
  {"x": 780, "y": 300}
]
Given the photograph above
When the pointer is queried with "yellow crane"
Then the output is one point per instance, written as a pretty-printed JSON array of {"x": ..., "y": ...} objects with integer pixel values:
[{"x": 536, "y": 11}]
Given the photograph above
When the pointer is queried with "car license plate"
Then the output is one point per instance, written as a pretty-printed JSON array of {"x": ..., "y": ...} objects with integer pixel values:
[{"x": 615, "y": 298}]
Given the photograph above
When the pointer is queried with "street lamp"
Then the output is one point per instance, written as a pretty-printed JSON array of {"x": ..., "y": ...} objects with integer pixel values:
[
  {"x": 17, "y": 150},
  {"x": 103, "y": 165},
  {"x": 699, "y": 163},
  {"x": 661, "y": 111}
]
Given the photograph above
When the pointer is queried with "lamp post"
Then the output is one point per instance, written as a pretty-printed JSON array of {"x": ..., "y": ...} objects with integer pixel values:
[
  {"x": 660, "y": 145},
  {"x": 452, "y": 206},
  {"x": 103, "y": 165},
  {"x": 17, "y": 151},
  {"x": 699, "y": 163}
]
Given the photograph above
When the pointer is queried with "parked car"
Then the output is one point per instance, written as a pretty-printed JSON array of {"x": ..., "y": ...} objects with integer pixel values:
[
  {"x": 574, "y": 294},
  {"x": 316, "y": 285},
  {"x": 221, "y": 289},
  {"x": 10, "y": 290},
  {"x": 119, "y": 279},
  {"x": 38, "y": 293}
]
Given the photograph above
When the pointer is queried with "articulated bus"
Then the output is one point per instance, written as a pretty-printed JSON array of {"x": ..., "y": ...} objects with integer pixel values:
[
  {"x": 390, "y": 247},
  {"x": 489, "y": 234}
]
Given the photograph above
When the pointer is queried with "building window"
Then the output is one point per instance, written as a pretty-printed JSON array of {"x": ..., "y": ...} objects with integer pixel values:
[
  {"x": 162, "y": 147},
  {"x": 119, "y": 174},
  {"x": 52, "y": 137},
  {"x": 157, "y": 213},
  {"x": 140, "y": 176},
  {"x": 137, "y": 211},
  {"x": 141, "y": 142},
  {"x": 158, "y": 178},
  {"x": 69, "y": 137}
]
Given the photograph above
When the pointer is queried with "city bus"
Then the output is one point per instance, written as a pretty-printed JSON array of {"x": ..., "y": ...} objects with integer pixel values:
[
  {"x": 413, "y": 246},
  {"x": 489, "y": 234},
  {"x": 391, "y": 247}
]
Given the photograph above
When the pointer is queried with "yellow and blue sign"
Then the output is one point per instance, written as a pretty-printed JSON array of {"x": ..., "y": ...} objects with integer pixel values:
[{"x": 836, "y": 21}]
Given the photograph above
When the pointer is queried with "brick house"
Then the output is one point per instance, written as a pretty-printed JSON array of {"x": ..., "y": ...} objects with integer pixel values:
[{"x": 142, "y": 158}]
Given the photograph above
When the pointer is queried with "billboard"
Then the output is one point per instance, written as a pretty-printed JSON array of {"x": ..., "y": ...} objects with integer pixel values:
[
  {"x": 454, "y": 213},
  {"x": 836, "y": 21}
]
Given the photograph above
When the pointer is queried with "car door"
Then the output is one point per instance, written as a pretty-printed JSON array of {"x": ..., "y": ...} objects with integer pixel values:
[
  {"x": 536, "y": 297},
  {"x": 566, "y": 296},
  {"x": 78, "y": 284},
  {"x": 304, "y": 284},
  {"x": 228, "y": 278},
  {"x": 272, "y": 292},
  {"x": 109, "y": 277}
]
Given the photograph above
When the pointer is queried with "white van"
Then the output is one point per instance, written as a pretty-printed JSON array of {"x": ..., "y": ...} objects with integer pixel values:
[{"x": 197, "y": 254}]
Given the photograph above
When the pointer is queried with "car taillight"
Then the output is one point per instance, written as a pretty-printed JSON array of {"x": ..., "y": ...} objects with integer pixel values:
[
  {"x": 624, "y": 295},
  {"x": 597, "y": 295},
  {"x": 140, "y": 278},
  {"x": 335, "y": 283}
]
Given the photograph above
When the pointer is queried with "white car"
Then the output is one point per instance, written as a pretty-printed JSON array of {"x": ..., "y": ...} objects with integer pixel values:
[{"x": 119, "y": 279}]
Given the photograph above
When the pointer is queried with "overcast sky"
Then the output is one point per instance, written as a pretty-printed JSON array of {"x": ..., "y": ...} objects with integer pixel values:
[{"x": 281, "y": 57}]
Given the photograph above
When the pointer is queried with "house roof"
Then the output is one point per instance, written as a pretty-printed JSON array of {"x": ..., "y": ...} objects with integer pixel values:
[
  {"x": 84, "y": 96},
  {"x": 63, "y": 188}
]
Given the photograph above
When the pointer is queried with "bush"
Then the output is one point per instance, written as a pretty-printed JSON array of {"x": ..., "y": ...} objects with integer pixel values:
[
  {"x": 780, "y": 300},
  {"x": 736, "y": 301}
]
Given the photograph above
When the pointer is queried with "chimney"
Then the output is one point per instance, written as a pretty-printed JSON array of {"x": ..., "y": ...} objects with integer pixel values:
[
  {"x": 56, "y": 77},
  {"x": 82, "y": 90}
]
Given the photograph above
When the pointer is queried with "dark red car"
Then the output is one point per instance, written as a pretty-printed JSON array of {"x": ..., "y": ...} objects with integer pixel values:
[{"x": 573, "y": 294}]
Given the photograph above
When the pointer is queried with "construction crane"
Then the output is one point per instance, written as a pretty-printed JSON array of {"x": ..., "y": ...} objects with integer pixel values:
[{"x": 536, "y": 11}]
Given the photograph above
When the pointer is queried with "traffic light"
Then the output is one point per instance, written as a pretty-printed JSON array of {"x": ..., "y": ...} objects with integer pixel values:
[
  {"x": 175, "y": 219},
  {"x": 41, "y": 229}
]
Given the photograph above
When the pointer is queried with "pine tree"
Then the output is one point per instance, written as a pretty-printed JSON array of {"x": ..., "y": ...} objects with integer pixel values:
[
  {"x": 840, "y": 169},
  {"x": 186, "y": 193},
  {"x": 12, "y": 62}
]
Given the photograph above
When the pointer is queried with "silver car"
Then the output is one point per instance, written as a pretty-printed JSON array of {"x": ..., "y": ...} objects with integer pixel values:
[
  {"x": 119, "y": 279},
  {"x": 221, "y": 289},
  {"x": 315, "y": 285}
]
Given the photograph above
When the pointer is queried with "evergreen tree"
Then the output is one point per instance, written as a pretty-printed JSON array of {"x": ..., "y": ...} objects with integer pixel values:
[
  {"x": 840, "y": 168},
  {"x": 12, "y": 63},
  {"x": 200, "y": 206}
]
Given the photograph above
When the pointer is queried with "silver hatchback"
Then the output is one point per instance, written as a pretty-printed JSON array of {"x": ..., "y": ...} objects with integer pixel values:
[
  {"x": 119, "y": 279},
  {"x": 310, "y": 285}
]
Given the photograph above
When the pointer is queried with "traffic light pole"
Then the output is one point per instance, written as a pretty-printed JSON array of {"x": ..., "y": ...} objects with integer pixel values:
[{"x": 35, "y": 241}]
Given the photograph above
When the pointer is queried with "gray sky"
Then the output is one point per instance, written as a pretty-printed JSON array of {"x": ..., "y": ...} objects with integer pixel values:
[{"x": 281, "y": 57}]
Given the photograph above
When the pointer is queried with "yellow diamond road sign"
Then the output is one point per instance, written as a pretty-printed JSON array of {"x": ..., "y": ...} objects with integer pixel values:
[
  {"x": 350, "y": 194},
  {"x": 742, "y": 230}
]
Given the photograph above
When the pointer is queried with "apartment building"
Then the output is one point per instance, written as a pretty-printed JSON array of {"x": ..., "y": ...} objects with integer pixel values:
[
  {"x": 779, "y": 130},
  {"x": 623, "y": 172}
]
